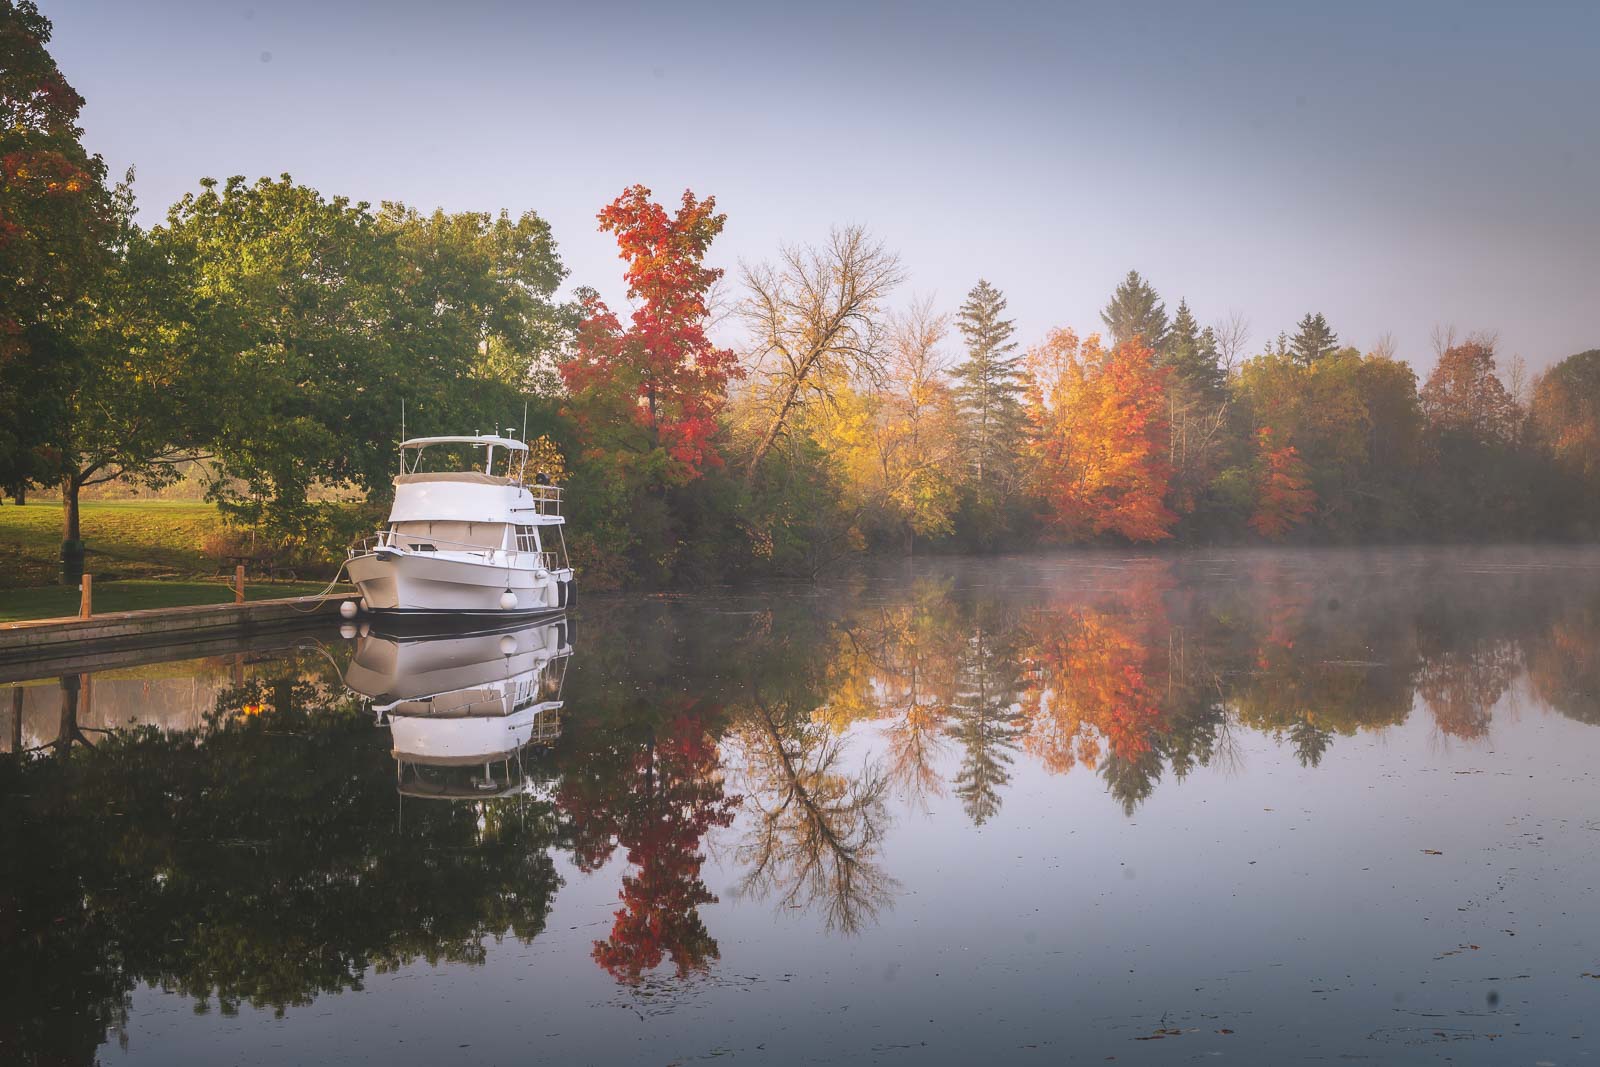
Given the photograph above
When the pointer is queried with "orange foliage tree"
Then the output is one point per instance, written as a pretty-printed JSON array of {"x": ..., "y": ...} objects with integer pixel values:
[
  {"x": 1465, "y": 396},
  {"x": 1284, "y": 497},
  {"x": 1098, "y": 437},
  {"x": 1089, "y": 692}
]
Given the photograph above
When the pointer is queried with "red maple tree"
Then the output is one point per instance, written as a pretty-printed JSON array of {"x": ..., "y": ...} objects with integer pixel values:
[
  {"x": 655, "y": 387},
  {"x": 1284, "y": 497},
  {"x": 675, "y": 797}
]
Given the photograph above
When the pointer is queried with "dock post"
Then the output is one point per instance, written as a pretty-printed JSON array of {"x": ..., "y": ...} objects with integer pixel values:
[
  {"x": 238, "y": 584},
  {"x": 86, "y": 605}
]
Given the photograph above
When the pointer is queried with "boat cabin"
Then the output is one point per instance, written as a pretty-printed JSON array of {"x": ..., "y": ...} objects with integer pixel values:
[{"x": 451, "y": 497}]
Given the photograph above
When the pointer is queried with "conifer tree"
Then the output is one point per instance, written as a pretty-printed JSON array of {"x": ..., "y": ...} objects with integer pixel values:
[
  {"x": 1136, "y": 310},
  {"x": 984, "y": 723},
  {"x": 988, "y": 388},
  {"x": 1314, "y": 340},
  {"x": 1192, "y": 354}
]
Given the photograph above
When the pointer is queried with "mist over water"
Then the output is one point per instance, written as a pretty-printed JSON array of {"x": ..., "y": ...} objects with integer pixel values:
[{"x": 1267, "y": 805}]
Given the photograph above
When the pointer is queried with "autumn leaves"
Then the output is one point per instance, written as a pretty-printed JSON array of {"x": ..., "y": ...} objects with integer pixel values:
[
  {"x": 1098, "y": 441},
  {"x": 835, "y": 395},
  {"x": 838, "y": 423}
]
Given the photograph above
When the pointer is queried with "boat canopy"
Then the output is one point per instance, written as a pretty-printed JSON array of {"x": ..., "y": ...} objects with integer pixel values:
[{"x": 480, "y": 441}]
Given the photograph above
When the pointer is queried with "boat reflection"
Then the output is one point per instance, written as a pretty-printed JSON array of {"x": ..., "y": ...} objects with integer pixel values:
[{"x": 464, "y": 709}]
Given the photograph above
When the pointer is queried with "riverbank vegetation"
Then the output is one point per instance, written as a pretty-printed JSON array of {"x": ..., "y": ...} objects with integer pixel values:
[{"x": 774, "y": 421}]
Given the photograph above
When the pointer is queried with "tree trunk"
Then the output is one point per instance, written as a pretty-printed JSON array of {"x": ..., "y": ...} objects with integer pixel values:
[
  {"x": 16, "y": 721},
  {"x": 67, "y": 727},
  {"x": 771, "y": 436},
  {"x": 70, "y": 530},
  {"x": 71, "y": 533}
]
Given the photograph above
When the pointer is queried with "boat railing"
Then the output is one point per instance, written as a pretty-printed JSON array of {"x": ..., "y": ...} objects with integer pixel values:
[
  {"x": 410, "y": 542},
  {"x": 546, "y": 499}
]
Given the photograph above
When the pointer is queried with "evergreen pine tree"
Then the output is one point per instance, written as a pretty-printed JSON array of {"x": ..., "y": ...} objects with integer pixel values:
[
  {"x": 1136, "y": 310},
  {"x": 988, "y": 388},
  {"x": 1314, "y": 340},
  {"x": 1192, "y": 354},
  {"x": 984, "y": 723}
]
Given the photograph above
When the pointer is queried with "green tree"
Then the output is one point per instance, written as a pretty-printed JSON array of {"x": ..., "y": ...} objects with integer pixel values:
[
  {"x": 988, "y": 388},
  {"x": 1191, "y": 352},
  {"x": 984, "y": 719},
  {"x": 1136, "y": 310},
  {"x": 1197, "y": 410},
  {"x": 1317, "y": 409},
  {"x": 1386, "y": 499},
  {"x": 486, "y": 283},
  {"x": 1313, "y": 340},
  {"x": 140, "y": 875},
  {"x": 138, "y": 407},
  {"x": 320, "y": 321},
  {"x": 55, "y": 214}
]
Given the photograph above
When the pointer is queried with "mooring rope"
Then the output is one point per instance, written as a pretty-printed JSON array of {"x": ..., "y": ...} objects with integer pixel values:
[{"x": 318, "y": 596}]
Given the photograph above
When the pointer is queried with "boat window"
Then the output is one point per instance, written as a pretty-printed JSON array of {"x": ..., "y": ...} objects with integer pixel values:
[
  {"x": 446, "y": 535},
  {"x": 527, "y": 539}
]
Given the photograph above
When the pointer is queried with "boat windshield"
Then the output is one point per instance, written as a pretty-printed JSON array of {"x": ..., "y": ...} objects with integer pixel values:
[{"x": 501, "y": 456}]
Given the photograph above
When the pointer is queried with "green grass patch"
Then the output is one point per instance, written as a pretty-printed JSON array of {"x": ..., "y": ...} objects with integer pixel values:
[
  {"x": 126, "y": 539},
  {"x": 51, "y": 602}
]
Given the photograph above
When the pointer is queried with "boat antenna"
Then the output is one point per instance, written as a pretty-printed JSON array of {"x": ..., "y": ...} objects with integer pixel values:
[
  {"x": 524, "y": 422},
  {"x": 402, "y": 435}
]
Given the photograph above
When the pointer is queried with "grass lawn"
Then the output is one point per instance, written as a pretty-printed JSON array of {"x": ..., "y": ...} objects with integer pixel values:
[
  {"x": 52, "y": 601},
  {"x": 126, "y": 539}
]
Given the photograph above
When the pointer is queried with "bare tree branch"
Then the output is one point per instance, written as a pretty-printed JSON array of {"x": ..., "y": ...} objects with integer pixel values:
[{"x": 816, "y": 323}]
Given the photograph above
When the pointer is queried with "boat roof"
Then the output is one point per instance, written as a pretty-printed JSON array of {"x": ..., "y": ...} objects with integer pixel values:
[{"x": 478, "y": 441}]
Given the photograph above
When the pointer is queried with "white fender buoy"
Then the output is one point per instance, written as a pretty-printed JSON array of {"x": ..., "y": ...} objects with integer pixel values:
[
  {"x": 508, "y": 600},
  {"x": 349, "y": 609},
  {"x": 347, "y": 631},
  {"x": 508, "y": 645}
]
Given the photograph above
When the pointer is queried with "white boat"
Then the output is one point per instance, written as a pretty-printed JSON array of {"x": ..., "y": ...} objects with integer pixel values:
[
  {"x": 467, "y": 542},
  {"x": 463, "y": 710}
]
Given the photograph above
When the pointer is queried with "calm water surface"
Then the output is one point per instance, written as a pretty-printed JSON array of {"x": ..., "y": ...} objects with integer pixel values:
[{"x": 1259, "y": 807}]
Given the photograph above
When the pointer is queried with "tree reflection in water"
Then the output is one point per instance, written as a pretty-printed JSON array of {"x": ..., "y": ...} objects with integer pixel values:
[
  {"x": 816, "y": 826},
  {"x": 985, "y": 717},
  {"x": 260, "y": 859},
  {"x": 669, "y": 797}
]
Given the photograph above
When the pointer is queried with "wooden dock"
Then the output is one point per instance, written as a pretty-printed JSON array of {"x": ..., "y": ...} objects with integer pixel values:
[{"x": 39, "y": 641}]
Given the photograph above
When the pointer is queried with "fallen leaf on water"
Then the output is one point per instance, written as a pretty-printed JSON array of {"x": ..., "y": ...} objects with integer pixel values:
[{"x": 1432, "y": 852}]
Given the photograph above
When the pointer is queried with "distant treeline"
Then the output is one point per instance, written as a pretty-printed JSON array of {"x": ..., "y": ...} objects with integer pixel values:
[{"x": 273, "y": 333}]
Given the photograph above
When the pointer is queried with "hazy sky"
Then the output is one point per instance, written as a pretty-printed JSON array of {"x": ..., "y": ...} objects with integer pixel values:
[{"x": 1392, "y": 165}]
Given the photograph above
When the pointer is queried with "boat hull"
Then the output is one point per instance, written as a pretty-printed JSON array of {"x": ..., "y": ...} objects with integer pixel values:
[{"x": 425, "y": 584}]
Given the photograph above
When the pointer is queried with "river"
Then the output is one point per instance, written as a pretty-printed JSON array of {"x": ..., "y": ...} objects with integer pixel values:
[{"x": 1258, "y": 806}]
